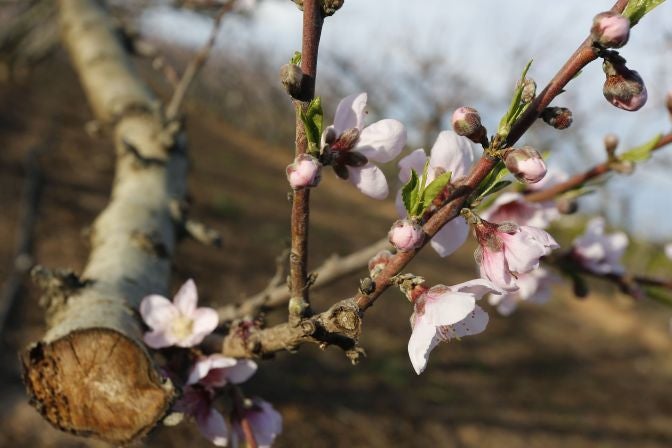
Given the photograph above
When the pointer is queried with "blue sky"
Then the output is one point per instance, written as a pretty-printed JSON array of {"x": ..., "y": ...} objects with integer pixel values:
[{"x": 477, "y": 38}]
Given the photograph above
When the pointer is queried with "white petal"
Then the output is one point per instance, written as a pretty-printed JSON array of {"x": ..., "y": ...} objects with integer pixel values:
[
  {"x": 399, "y": 205},
  {"x": 266, "y": 423},
  {"x": 159, "y": 339},
  {"x": 241, "y": 371},
  {"x": 493, "y": 267},
  {"x": 205, "y": 321},
  {"x": 478, "y": 287},
  {"x": 213, "y": 427},
  {"x": 543, "y": 237},
  {"x": 204, "y": 365},
  {"x": 422, "y": 342},
  {"x": 370, "y": 180},
  {"x": 350, "y": 112},
  {"x": 521, "y": 251},
  {"x": 474, "y": 323},
  {"x": 668, "y": 251},
  {"x": 506, "y": 304},
  {"x": 450, "y": 237},
  {"x": 186, "y": 298},
  {"x": 452, "y": 153},
  {"x": 447, "y": 307},
  {"x": 382, "y": 141},
  {"x": 158, "y": 312},
  {"x": 414, "y": 161}
]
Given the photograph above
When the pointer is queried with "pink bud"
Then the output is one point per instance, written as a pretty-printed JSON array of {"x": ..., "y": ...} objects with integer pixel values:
[
  {"x": 623, "y": 88},
  {"x": 406, "y": 235},
  {"x": 467, "y": 123},
  {"x": 304, "y": 172},
  {"x": 610, "y": 29},
  {"x": 526, "y": 164}
]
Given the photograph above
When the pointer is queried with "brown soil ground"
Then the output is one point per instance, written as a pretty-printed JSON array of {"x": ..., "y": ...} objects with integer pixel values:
[{"x": 570, "y": 374}]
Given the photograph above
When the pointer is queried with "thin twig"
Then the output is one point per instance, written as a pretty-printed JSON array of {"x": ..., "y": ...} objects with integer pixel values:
[
  {"x": 581, "y": 178},
  {"x": 195, "y": 66},
  {"x": 298, "y": 260}
]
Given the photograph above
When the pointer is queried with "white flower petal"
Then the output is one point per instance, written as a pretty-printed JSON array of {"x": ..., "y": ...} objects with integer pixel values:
[
  {"x": 422, "y": 342},
  {"x": 399, "y": 205},
  {"x": 205, "y": 321},
  {"x": 506, "y": 304},
  {"x": 186, "y": 298},
  {"x": 350, "y": 112},
  {"x": 158, "y": 312},
  {"x": 159, "y": 339},
  {"x": 474, "y": 323},
  {"x": 370, "y": 180},
  {"x": 668, "y": 251},
  {"x": 445, "y": 307},
  {"x": 452, "y": 153},
  {"x": 522, "y": 252},
  {"x": 493, "y": 267},
  {"x": 450, "y": 237},
  {"x": 414, "y": 161},
  {"x": 266, "y": 423},
  {"x": 204, "y": 365},
  {"x": 382, "y": 141},
  {"x": 241, "y": 371},
  {"x": 213, "y": 427},
  {"x": 478, "y": 287}
]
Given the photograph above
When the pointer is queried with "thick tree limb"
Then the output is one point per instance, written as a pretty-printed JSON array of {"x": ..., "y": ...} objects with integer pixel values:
[{"x": 91, "y": 374}]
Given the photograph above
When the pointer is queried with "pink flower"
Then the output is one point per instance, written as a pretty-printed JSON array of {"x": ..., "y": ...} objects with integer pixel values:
[
  {"x": 197, "y": 402},
  {"x": 450, "y": 153},
  {"x": 304, "y": 172},
  {"x": 406, "y": 235},
  {"x": 445, "y": 312},
  {"x": 179, "y": 322},
  {"x": 218, "y": 370},
  {"x": 610, "y": 29},
  {"x": 508, "y": 250},
  {"x": 266, "y": 424},
  {"x": 598, "y": 252},
  {"x": 352, "y": 147},
  {"x": 512, "y": 207},
  {"x": 533, "y": 287},
  {"x": 526, "y": 164}
]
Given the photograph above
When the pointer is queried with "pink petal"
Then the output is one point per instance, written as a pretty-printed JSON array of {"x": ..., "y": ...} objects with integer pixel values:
[
  {"x": 158, "y": 312},
  {"x": 445, "y": 307},
  {"x": 159, "y": 339},
  {"x": 266, "y": 423},
  {"x": 474, "y": 323},
  {"x": 422, "y": 342},
  {"x": 241, "y": 371},
  {"x": 478, "y": 287},
  {"x": 494, "y": 268},
  {"x": 370, "y": 180},
  {"x": 205, "y": 321},
  {"x": 350, "y": 112},
  {"x": 521, "y": 251},
  {"x": 204, "y": 365},
  {"x": 450, "y": 237},
  {"x": 452, "y": 153},
  {"x": 399, "y": 205},
  {"x": 542, "y": 237},
  {"x": 506, "y": 304},
  {"x": 186, "y": 298},
  {"x": 213, "y": 427},
  {"x": 414, "y": 161},
  {"x": 382, "y": 141}
]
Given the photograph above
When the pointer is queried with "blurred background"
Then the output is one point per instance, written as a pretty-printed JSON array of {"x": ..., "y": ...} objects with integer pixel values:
[{"x": 584, "y": 373}]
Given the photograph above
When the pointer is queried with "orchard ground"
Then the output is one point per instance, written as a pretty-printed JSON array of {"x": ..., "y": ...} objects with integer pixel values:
[{"x": 588, "y": 373}]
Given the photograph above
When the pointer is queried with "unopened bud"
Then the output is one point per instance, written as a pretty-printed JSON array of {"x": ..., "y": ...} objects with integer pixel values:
[
  {"x": 669, "y": 102},
  {"x": 610, "y": 29},
  {"x": 623, "y": 88},
  {"x": 304, "y": 172},
  {"x": 329, "y": 7},
  {"x": 467, "y": 123},
  {"x": 526, "y": 164},
  {"x": 299, "y": 4},
  {"x": 558, "y": 117},
  {"x": 567, "y": 206},
  {"x": 378, "y": 263},
  {"x": 529, "y": 90},
  {"x": 291, "y": 77},
  {"x": 623, "y": 166},
  {"x": 610, "y": 144},
  {"x": 406, "y": 235}
]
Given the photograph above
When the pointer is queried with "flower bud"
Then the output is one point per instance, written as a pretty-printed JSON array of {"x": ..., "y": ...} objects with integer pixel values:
[
  {"x": 624, "y": 88},
  {"x": 304, "y": 172},
  {"x": 526, "y": 164},
  {"x": 610, "y": 145},
  {"x": 291, "y": 77},
  {"x": 406, "y": 235},
  {"x": 467, "y": 123},
  {"x": 558, "y": 117},
  {"x": 610, "y": 29}
]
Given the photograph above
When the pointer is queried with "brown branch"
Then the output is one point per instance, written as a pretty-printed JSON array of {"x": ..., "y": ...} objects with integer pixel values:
[
  {"x": 298, "y": 260},
  {"x": 195, "y": 66},
  {"x": 334, "y": 268},
  {"x": 581, "y": 178}
]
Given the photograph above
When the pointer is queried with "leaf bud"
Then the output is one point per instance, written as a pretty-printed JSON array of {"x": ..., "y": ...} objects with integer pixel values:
[
  {"x": 529, "y": 90},
  {"x": 291, "y": 77},
  {"x": 558, "y": 117},
  {"x": 610, "y": 145}
]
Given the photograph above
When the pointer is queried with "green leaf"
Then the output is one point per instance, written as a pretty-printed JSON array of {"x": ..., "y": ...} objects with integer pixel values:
[
  {"x": 637, "y": 9},
  {"x": 433, "y": 189},
  {"x": 502, "y": 184},
  {"x": 659, "y": 295},
  {"x": 495, "y": 176},
  {"x": 642, "y": 152},
  {"x": 296, "y": 58},
  {"x": 313, "y": 119},
  {"x": 516, "y": 107},
  {"x": 409, "y": 193}
]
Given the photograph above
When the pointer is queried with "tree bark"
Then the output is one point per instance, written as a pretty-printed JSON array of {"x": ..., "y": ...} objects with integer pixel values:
[{"x": 91, "y": 374}]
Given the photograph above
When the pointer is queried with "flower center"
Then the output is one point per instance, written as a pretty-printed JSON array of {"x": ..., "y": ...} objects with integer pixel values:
[{"x": 182, "y": 327}]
